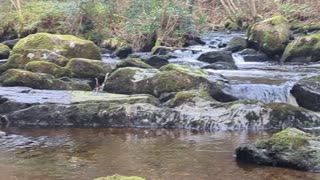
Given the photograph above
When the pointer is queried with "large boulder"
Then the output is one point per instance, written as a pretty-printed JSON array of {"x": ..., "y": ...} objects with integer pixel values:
[
  {"x": 45, "y": 55},
  {"x": 125, "y": 80},
  {"x": 4, "y": 51},
  {"x": 237, "y": 44},
  {"x": 47, "y": 67},
  {"x": 170, "y": 78},
  {"x": 17, "y": 77},
  {"x": 216, "y": 56},
  {"x": 270, "y": 36},
  {"x": 303, "y": 49},
  {"x": 307, "y": 93},
  {"x": 68, "y": 46},
  {"x": 133, "y": 62},
  {"x": 290, "y": 148},
  {"x": 87, "y": 68}
]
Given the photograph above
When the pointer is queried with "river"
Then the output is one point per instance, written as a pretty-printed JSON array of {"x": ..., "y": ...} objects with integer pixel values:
[{"x": 157, "y": 154}]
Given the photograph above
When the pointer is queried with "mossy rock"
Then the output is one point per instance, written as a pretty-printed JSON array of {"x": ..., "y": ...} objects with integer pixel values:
[
  {"x": 185, "y": 69},
  {"x": 118, "y": 177},
  {"x": 125, "y": 80},
  {"x": 66, "y": 45},
  {"x": 113, "y": 43},
  {"x": 14, "y": 61},
  {"x": 307, "y": 93},
  {"x": 290, "y": 148},
  {"x": 216, "y": 56},
  {"x": 162, "y": 50},
  {"x": 290, "y": 138},
  {"x": 87, "y": 68},
  {"x": 303, "y": 49},
  {"x": 190, "y": 97},
  {"x": 237, "y": 44},
  {"x": 4, "y": 51},
  {"x": 45, "y": 55},
  {"x": 18, "y": 77},
  {"x": 284, "y": 115},
  {"x": 301, "y": 27},
  {"x": 47, "y": 67},
  {"x": 175, "y": 78},
  {"x": 270, "y": 36},
  {"x": 133, "y": 62}
]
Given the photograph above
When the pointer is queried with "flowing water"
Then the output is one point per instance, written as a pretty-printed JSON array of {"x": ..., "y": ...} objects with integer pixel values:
[
  {"x": 157, "y": 154},
  {"x": 83, "y": 154}
]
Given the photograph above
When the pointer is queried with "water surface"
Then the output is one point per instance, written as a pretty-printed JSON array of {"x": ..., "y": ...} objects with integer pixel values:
[{"x": 83, "y": 154}]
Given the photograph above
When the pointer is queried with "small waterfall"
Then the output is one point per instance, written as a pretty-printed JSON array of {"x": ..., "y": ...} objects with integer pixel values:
[{"x": 262, "y": 92}]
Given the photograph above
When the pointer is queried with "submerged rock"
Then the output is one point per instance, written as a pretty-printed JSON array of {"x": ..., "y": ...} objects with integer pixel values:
[
  {"x": 221, "y": 66},
  {"x": 290, "y": 148},
  {"x": 117, "y": 177},
  {"x": 217, "y": 56},
  {"x": 4, "y": 51},
  {"x": 303, "y": 49},
  {"x": 307, "y": 93},
  {"x": 66, "y": 45},
  {"x": 270, "y": 36}
]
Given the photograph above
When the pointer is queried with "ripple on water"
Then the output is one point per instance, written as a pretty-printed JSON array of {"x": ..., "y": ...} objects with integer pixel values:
[{"x": 154, "y": 154}]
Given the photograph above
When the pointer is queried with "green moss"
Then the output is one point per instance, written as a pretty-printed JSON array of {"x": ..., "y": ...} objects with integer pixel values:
[
  {"x": 113, "y": 43},
  {"x": 279, "y": 19},
  {"x": 4, "y": 51},
  {"x": 133, "y": 62},
  {"x": 304, "y": 46},
  {"x": 14, "y": 61},
  {"x": 289, "y": 138},
  {"x": 185, "y": 69},
  {"x": 270, "y": 35},
  {"x": 66, "y": 45},
  {"x": 86, "y": 68},
  {"x": 118, "y": 177},
  {"x": 47, "y": 67},
  {"x": 190, "y": 96},
  {"x": 17, "y": 77}
]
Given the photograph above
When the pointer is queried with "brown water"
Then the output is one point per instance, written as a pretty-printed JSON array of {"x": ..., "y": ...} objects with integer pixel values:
[{"x": 83, "y": 154}]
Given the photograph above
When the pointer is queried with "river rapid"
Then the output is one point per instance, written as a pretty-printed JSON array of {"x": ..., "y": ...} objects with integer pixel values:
[{"x": 158, "y": 154}]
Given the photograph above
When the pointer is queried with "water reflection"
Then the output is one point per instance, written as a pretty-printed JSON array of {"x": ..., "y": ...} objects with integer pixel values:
[{"x": 155, "y": 154}]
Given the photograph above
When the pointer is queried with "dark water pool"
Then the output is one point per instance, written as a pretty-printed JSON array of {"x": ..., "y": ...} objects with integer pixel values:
[{"x": 83, "y": 154}]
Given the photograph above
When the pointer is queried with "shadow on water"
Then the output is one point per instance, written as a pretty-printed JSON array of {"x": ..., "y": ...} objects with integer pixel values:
[{"x": 152, "y": 153}]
